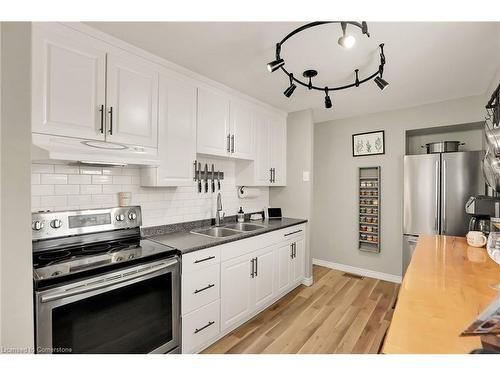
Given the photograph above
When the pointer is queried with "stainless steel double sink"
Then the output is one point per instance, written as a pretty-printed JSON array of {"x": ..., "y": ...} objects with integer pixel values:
[{"x": 227, "y": 230}]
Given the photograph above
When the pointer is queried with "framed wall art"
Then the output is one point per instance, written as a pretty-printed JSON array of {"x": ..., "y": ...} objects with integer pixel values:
[{"x": 366, "y": 144}]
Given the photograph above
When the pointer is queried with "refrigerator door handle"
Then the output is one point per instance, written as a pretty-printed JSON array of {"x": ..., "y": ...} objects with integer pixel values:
[
  {"x": 436, "y": 208},
  {"x": 443, "y": 213}
]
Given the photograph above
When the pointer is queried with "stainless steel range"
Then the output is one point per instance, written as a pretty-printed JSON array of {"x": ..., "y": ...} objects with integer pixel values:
[{"x": 100, "y": 287}]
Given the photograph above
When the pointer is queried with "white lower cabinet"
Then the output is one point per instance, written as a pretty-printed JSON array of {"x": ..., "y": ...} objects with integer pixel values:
[
  {"x": 200, "y": 327},
  {"x": 283, "y": 266},
  {"x": 237, "y": 280},
  {"x": 236, "y": 290}
]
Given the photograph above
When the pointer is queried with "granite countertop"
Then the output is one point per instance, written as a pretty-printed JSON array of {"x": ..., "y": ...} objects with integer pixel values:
[{"x": 186, "y": 242}]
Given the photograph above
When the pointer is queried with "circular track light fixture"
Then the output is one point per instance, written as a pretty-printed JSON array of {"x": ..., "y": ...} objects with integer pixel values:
[{"x": 347, "y": 41}]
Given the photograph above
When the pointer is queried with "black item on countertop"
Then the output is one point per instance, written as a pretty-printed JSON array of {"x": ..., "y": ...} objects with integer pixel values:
[{"x": 274, "y": 213}]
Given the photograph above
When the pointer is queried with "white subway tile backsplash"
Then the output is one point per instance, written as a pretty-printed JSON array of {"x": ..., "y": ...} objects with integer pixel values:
[
  {"x": 59, "y": 186},
  {"x": 67, "y": 169},
  {"x": 80, "y": 200},
  {"x": 101, "y": 180},
  {"x": 66, "y": 189},
  {"x": 53, "y": 201},
  {"x": 42, "y": 190},
  {"x": 79, "y": 179},
  {"x": 111, "y": 189},
  {"x": 122, "y": 180},
  {"x": 90, "y": 189},
  {"x": 53, "y": 179}
]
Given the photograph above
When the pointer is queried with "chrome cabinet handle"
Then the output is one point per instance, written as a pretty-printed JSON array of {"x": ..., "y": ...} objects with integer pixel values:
[
  {"x": 101, "y": 110},
  {"x": 291, "y": 250},
  {"x": 295, "y": 250},
  {"x": 204, "y": 327},
  {"x": 252, "y": 274},
  {"x": 289, "y": 234},
  {"x": 271, "y": 175},
  {"x": 444, "y": 197},
  {"x": 204, "y": 259},
  {"x": 228, "y": 147},
  {"x": 274, "y": 174},
  {"x": 436, "y": 208},
  {"x": 232, "y": 144},
  {"x": 196, "y": 291},
  {"x": 110, "y": 120},
  {"x": 256, "y": 266}
]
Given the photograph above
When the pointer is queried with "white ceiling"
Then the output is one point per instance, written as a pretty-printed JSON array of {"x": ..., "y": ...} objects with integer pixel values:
[{"x": 426, "y": 62}]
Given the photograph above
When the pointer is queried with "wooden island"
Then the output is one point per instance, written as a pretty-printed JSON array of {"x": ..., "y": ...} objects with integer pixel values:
[{"x": 447, "y": 284}]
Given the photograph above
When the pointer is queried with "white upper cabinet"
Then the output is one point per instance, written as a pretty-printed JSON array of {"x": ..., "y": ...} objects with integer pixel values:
[
  {"x": 213, "y": 136},
  {"x": 176, "y": 134},
  {"x": 132, "y": 100},
  {"x": 269, "y": 165},
  {"x": 68, "y": 82},
  {"x": 262, "y": 150},
  {"x": 241, "y": 131},
  {"x": 278, "y": 151}
]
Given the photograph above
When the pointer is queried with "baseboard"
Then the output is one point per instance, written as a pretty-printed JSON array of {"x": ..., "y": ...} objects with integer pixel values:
[
  {"x": 358, "y": 271},
  {"x": 307, "y": 281}
]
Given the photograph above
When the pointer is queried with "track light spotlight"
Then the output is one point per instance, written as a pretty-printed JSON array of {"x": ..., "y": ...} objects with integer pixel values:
[
  {"x": 381, "y": 83},
  {"x": 275, "y": 65},
  {"x": 346, "y": 41},
  {"x": 289, "y": 91},
  {"x": 328, "y": 101}
]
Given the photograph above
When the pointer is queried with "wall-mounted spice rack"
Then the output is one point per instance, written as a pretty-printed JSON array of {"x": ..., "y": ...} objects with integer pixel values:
[{"x": 369, "y": 209}]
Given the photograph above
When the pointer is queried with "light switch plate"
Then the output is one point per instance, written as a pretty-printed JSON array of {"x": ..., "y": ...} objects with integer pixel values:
[{"x": 305, "y": 176}]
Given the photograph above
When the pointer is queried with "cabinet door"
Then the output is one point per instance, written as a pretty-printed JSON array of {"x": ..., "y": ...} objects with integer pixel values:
[
  {"x": 262, "y": 151},
  {"x": 236, "y": 286},
  {"x": 278, "y": 150},
  {"x": 283, "y": 267},
  {"x": 132, "y": 100},
  {"x": 242, "y": 134},
  {"x": 68, "y": 82},
  {"x": 177, "y": 131},
  {"x": 213, "y": 136},
  {"x": 263, "y": 283},
  {"x": 298, "y": 262}
]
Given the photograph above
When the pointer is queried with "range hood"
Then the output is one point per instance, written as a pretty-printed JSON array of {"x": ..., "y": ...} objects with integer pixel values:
[{"x": 50, "y": 147}]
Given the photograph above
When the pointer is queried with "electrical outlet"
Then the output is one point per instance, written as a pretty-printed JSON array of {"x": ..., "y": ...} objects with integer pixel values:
[{"x": 305, "y": 176}]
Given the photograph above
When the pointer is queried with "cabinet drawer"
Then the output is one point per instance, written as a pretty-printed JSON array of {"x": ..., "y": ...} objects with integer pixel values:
[
  {"x": 200, "y": 288},
  {"x": 200, "y": 259},
  {"x": 282, "y": 235},
  {"x": 200, "y": 326}
]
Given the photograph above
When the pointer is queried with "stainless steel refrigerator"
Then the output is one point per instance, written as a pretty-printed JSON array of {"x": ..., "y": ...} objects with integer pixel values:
[{"x": 436, "y": 188}]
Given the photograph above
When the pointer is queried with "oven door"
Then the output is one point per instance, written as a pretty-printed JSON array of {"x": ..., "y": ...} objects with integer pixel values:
[{"x": 135, "y": 310}]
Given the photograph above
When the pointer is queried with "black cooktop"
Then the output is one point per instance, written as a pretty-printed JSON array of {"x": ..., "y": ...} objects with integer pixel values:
[{"x": 69, "y": 263}]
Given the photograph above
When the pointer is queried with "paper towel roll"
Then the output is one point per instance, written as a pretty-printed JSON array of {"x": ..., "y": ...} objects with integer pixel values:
[{"x": 244, "y": 192}]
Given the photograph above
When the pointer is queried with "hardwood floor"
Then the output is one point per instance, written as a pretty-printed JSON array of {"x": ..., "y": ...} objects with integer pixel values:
[{"x": 340, "y": 313}]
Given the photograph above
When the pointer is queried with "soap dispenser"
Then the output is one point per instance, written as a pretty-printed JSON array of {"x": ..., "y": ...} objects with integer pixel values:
[{"x": 241, "y": 216}]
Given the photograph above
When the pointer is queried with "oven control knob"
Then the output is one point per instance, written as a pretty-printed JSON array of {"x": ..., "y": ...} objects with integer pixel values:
[
  {"x": 119, "y": 259},
  {"x": 37, "y": 225},
  {"x": 120, "y": 217},
  {"x": 56, "y": 223},
  {"x": 132, "y": 215},
  {"x": 131, "y": 256}
]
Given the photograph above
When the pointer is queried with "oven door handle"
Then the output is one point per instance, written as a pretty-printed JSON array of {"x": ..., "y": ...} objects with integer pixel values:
[{"x": 103, "y": 283}]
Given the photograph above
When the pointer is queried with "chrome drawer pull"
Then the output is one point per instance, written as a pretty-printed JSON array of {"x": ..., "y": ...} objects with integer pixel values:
[
  {"x": 297, "y": 231},
  {"x": 205, "y": 288},
  {"x": 205, "y": 326},
  {"x": 204, "y": 259}
]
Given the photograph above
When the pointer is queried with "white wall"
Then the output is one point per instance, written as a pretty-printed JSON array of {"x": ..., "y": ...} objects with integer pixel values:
[
  {"x": 16, "y": 272},
  {"x": 58, "y": 187},
  {"x": 295, "y": 199},
  {"x": 335, "y": 217}
]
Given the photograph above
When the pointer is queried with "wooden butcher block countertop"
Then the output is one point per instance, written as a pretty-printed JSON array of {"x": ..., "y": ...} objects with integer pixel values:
[{"x": 447, "y": 284}]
